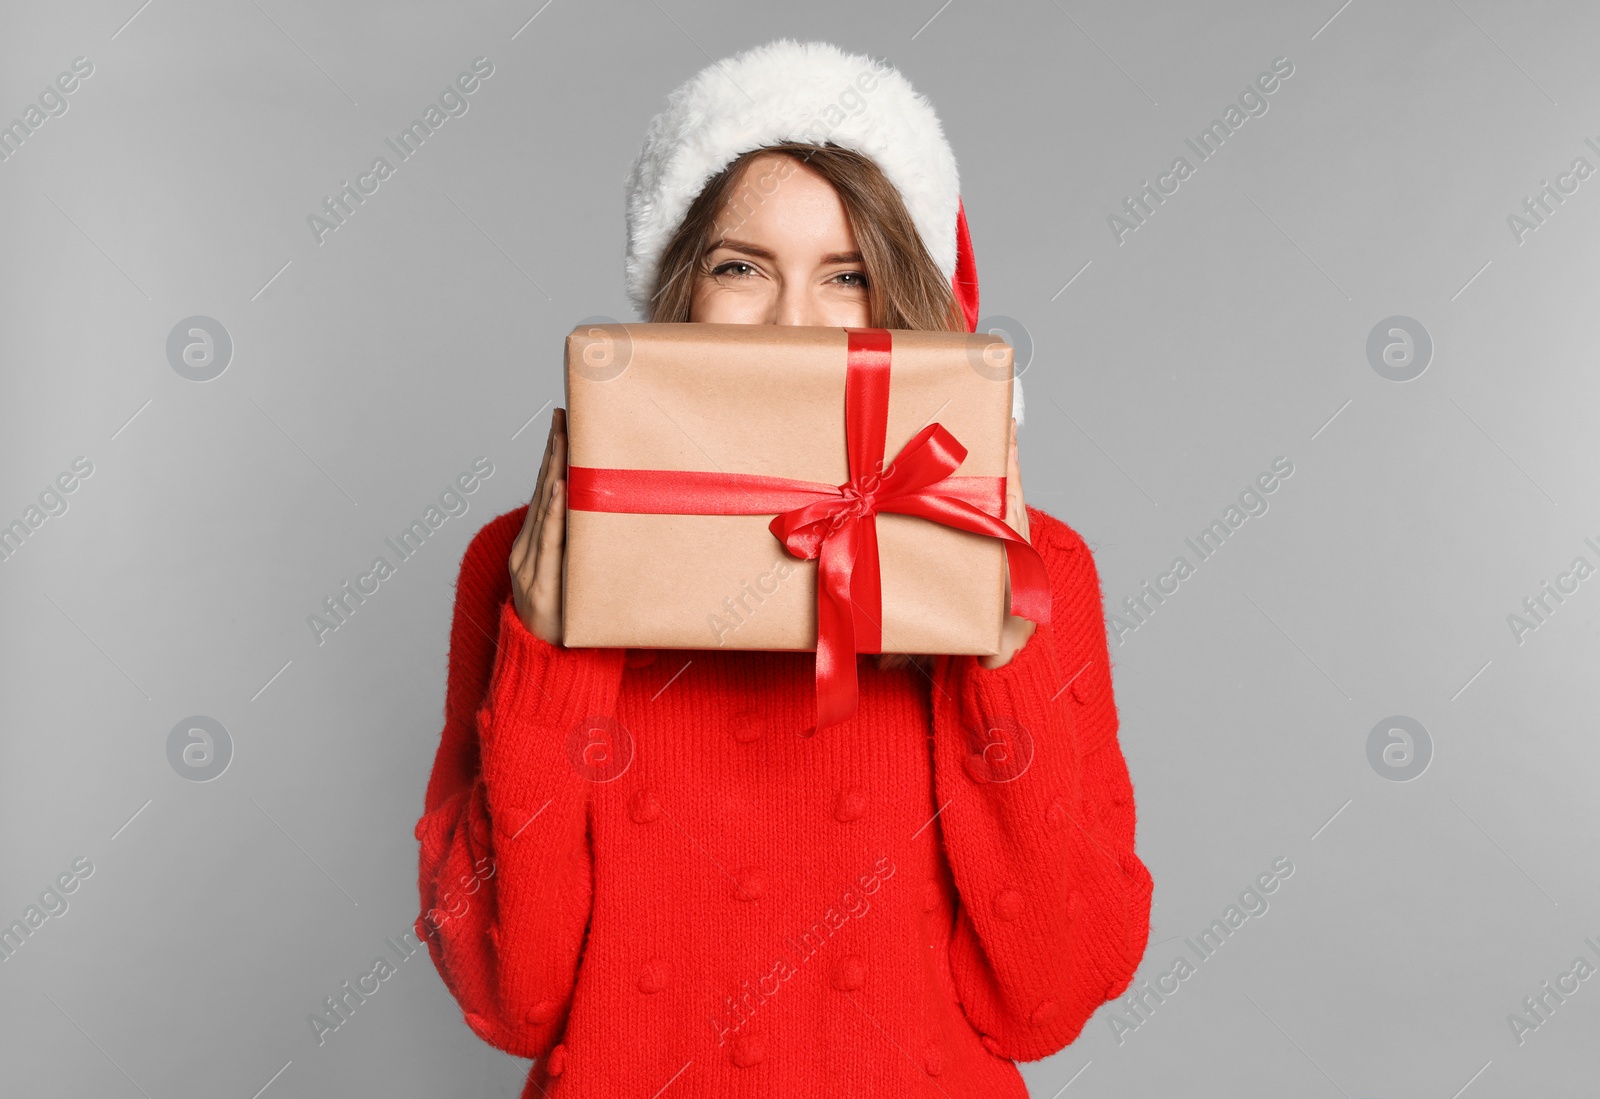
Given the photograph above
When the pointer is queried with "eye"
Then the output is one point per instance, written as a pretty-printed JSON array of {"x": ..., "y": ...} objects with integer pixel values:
[
  {"x": 723, "y": 269},
  {"x": 860, "y": 278}
]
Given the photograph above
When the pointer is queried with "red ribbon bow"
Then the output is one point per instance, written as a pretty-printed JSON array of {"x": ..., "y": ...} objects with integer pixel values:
[{"x": 836, "y": 524}]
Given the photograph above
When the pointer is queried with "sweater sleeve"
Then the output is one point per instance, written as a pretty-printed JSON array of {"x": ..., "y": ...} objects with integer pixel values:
[
  {"x": 504, "y": 868},
  {"x": 1038, "y": 820}
]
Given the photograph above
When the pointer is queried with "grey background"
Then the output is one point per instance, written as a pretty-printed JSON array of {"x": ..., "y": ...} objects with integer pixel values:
[{"x": 370, "y": 370}]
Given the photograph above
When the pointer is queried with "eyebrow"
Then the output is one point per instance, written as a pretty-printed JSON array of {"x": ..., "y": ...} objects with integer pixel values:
[{"x": 762, "y": 253}]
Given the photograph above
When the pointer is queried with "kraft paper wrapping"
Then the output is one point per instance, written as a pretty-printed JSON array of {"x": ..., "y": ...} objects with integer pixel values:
[{"x": 769, "y": 399}]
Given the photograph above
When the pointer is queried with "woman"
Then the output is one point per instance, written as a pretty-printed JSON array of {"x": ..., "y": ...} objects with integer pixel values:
[{"x": 711, "y": 899}]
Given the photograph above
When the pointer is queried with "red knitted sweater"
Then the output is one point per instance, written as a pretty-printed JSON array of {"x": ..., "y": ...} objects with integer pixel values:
[{"x": 696, "y": 898}]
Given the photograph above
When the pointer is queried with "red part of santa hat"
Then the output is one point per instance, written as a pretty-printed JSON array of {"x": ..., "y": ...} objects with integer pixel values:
[
  {"x": 965, "y": 282},
  {"x": 807, "y": 92}
]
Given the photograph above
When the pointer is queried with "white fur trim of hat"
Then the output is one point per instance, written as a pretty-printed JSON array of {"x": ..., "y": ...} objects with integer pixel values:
[{"x": 792, "y": 91}]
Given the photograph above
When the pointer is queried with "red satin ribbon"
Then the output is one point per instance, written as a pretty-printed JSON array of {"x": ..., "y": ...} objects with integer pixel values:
[{"x": 835, "y": 523}]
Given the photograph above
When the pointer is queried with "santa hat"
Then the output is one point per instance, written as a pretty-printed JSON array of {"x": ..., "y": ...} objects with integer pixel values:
[{"x": 810, "y": 92}]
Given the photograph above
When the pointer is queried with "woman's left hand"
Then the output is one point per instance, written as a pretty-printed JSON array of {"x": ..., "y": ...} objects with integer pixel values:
[{"x": 1016, "y": 631}]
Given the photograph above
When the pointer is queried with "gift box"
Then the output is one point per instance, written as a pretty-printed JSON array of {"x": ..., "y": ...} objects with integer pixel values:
[{"x": 838, "y": 490}]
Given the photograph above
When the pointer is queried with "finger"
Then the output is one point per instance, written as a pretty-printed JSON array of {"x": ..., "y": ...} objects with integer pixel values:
[
  {"x": 1021, "y": 496},
  {"x": 530, "y": 519},
  {"x": 558, "y": 457},
  {"x": 1014, "y": 477},
  {"x": 1012, "y": 495},
  {"x": 548, "y": 471},
  {"x": 554, "y": 467},
  {"x": 558, "y": 468},
  {"x": 519, "y": 546},
  {"x": 534, "y": 498},
  {"x": 547, "y": 577},
  {"x": 544, "y": 460},
  {"x": 560, "y": 454}
]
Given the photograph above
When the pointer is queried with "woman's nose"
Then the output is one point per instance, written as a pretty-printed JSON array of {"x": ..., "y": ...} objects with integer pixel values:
[{"x": 795, "y": 306}]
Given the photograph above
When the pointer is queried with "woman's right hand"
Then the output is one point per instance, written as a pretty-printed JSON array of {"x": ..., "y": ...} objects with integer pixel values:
[{"x": 536, "y": 554}]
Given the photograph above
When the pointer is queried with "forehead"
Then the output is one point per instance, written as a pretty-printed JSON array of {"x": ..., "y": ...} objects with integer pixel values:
[{"x": 780, "y": 195}]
